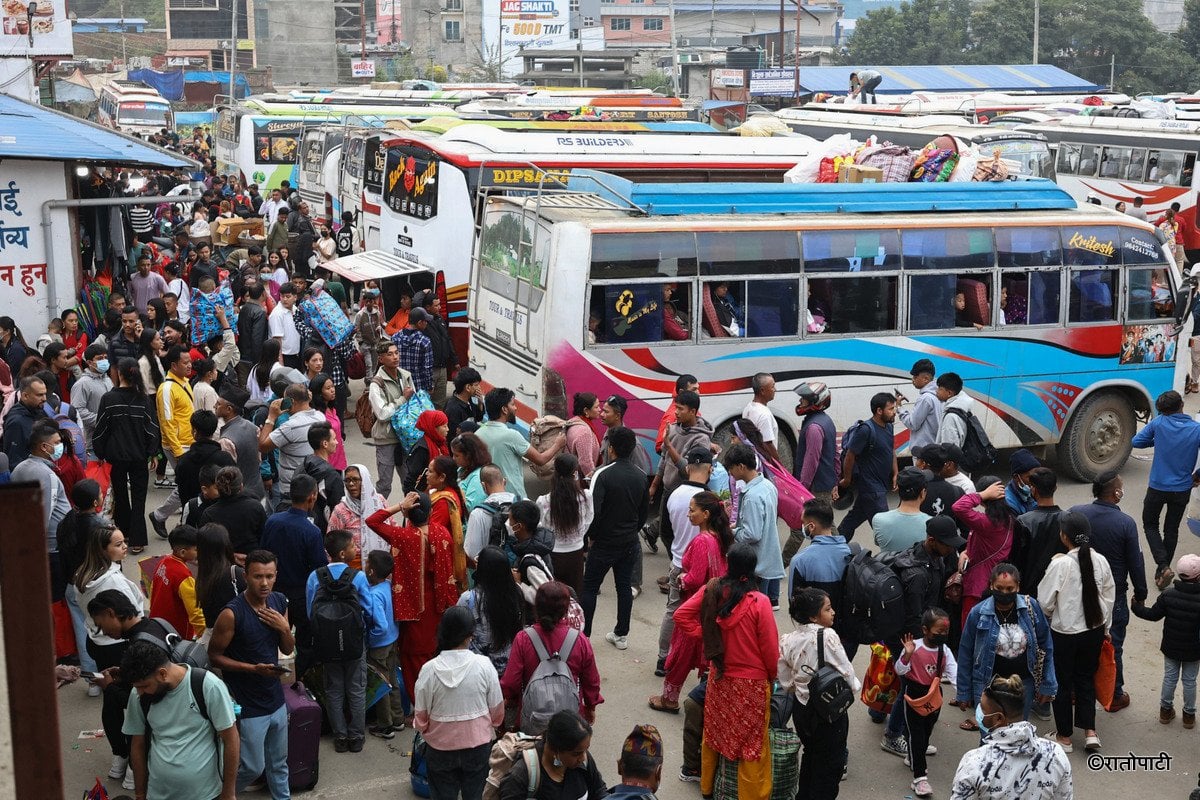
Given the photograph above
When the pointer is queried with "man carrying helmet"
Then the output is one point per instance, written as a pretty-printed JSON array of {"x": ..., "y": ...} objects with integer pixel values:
[{"x": 815, "y": 464}]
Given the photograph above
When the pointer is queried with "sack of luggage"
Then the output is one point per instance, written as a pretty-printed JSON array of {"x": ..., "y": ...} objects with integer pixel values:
[
  {"x": 544, "y": 433},
  {"x": 327, "y": 318},
  {"x": 404, "y": 420}
]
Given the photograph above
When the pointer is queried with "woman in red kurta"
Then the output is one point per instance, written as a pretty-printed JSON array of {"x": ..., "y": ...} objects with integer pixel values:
[
  {"x": 703, "y": 560},
  {"x": 422, "y": 580},
  {"x": 446, "y": 510}
]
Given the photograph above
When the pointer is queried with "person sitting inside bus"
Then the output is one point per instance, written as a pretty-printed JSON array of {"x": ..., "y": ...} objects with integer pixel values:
[
  {"x": 725, "y": 307},
  {"x": 675, "y": 321},
  {"x": 962, "y": 318}
]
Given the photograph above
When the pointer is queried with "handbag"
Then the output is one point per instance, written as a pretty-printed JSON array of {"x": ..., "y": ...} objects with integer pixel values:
[
  {"x": 931, "y": 701},
  {"x": 356, "y": 366},
  {"x": 1105, "y": 681},
  {"x": 1039, "y": 661}
]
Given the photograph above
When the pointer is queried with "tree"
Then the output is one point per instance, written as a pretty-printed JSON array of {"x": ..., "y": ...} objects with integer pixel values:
[
  {"x": 918, "y": 32},
  {"x": 1189, "y": 32}
]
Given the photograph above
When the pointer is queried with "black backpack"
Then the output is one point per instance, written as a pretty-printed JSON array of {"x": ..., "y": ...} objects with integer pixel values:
[
  {"x": 977, "y": 449},
  {"x": 872, "y": 598},
  {"x": 180, "y": 650},
  {"x": 196, "y": 677},
  {"x": 851, "y": 433},
  {"x": 338, "y": 629},
  {"x": 497, "y": 531},
  {"x": 829, "y": 694}
]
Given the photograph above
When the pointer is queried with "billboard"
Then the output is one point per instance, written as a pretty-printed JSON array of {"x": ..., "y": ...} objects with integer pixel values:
[
  {"x": 512, "y": 25},
  {"x": 35, "y": 28}
]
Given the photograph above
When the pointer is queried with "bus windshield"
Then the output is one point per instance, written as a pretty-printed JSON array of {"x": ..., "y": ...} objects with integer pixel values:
[
  {"x": 143, "y": 114},
  {"x": 1033, "y": 157}
]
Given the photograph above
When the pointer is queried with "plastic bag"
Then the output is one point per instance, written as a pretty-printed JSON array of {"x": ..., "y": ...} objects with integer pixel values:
[
  {"x": 1106, "y": 675},
  {"x": 968, "y": 161},
  {"x": 808, "y": 168},
  {"x": 880, "y": 684}
]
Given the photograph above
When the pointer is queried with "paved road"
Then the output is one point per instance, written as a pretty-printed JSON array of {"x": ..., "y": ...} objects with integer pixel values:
[{"x": 381, "y": 771}]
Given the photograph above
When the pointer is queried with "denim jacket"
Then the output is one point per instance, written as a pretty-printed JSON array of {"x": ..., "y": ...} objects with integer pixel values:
[{"x": 977, "y": 648}]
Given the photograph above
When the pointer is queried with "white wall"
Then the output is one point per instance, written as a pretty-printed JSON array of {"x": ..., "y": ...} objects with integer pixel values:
[{"x": 20, "y": 72}]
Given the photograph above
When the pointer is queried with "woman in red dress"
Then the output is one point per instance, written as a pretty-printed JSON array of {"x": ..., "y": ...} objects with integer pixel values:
[{"x": 423, "y": 583}]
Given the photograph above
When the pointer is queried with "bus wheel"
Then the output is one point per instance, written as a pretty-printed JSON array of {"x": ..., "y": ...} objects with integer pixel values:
[{"x": 1099, "y": 436}]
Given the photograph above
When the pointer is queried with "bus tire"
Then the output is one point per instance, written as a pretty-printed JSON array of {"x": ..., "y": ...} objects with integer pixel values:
[{"x": 1099, "y": 436}]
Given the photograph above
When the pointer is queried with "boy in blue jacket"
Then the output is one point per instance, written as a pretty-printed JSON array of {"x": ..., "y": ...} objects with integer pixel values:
[{"x": 381, "y": 644}]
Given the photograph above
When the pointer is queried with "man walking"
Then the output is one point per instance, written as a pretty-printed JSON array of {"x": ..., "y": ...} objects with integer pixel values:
[
  {"x": 252, "y": 330},
  {"x": 758, "y": 412},
  {"x": 250, "y": 633},
  {"x": 689, "y": 432},
  {"x": 815, "y": 464},
  {"x": 869, "y": 464},
  {"x": 175, "y": 409},
  {"x": 904, "y": 526},
  {"x": 87, "y": 391},
  {"x": 439, "y": 338},
  {"x": 390, "y": 387},
  {"x": 19, "y": 422},
  {"x": 242, "y": 435},
  {"x": 292, "y": 437},
  {"x": 758, "y": 510},
  {"x": 925, "y": 417},
  {"x": 956, "y": 405},
  {"x": 508, "y": 447},
  {"x": 416, "y": 351},
  {"x": 282, "y": 326}
]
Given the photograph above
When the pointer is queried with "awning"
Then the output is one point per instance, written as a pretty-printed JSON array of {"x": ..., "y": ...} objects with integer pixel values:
[{"x": 373, "y": 265}]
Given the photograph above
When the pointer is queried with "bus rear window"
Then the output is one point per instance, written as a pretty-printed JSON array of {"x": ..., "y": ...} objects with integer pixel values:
[
  {"x": 142, "y": 114},
  {"x": 631, "y": 255}
]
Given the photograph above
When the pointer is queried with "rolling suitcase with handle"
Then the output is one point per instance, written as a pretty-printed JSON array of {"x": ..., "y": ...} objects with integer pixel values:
[{"x": 304, "y": 736}]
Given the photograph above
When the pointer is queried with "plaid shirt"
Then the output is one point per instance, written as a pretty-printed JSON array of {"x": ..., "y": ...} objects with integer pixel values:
[
  {"x": 335, "y": 361},
  {"x": 416, "y": 356}
]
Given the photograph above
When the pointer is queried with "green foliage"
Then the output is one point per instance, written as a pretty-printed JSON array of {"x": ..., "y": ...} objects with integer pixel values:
[
  {"x": 656, "y": 79},
  {"x": 1189, "y": 33},
  {"x": 918, "y": 32}
]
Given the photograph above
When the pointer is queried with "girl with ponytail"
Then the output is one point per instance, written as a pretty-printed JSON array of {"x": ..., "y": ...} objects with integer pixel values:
[{"x": 1077, "y": 594}]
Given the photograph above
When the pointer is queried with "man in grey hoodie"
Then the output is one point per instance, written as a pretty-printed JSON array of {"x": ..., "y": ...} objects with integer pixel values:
[
  {"x": 925, "y": 417},
  {"x": 953, "y": 429},
  {"x": 688, "y": 432},
  {"x": 87, "y": 391}
]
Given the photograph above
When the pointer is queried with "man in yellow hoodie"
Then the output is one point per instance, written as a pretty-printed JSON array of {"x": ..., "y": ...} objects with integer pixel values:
[{"x": 175, "y": 408}]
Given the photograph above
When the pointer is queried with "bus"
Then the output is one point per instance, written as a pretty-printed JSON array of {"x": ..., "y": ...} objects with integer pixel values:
[
  {"x": 1117, "y": 159},
  {"x": 361, "y": 186},
  {"x": 633, "y": 109},
  {"x": 1069, "y": 332},
  {"x": 440, "y": 125},
  {"x": 319, "y": 175},
  {"x": 134, "y": 107},
  {"x": 1027, "y": 150},
  {"x": 431, "y": 185},
  {"x": 261, "y": 141}
]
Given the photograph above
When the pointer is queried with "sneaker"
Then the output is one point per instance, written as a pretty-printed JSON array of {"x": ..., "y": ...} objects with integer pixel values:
[
  {"x": 896, "y": 745},
  {"x": 619, "y": 642},
  {"x": 1165, "y": 715},
  {"x": 651, "y": 541},
  {"x": 637, "y": 590},
  {"x": 397, "y": 727},
  {"x": 341, "y": 745},
  {"x": 356, "y": 745},
  {"x": 908, "y": 762},
  {"x": 775, "y": 606},
  {"x": 689, "y": 775},
  {"x": 1163, "y": 577},
  {"x": 93, "y": 690},
  {"x": 258, "y": 786},
  {"x": 921, "y": 788},
  {"x": 845, "y": 772},
  {"x": 127, "y": 784},
  {"x": 382, "y": 731},
  {"x": 664, "y": 584},
  {"x": 931, "y": 750},
  {"x": 119, "y": 765},
  {"x": 660, "y": 669},
  {"x": 1189, "y": 720},
  {"x": 159, "y": 526}
]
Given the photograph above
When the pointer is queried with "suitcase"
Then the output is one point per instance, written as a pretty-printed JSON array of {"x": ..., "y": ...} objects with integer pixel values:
[{"x": 304, "y": 736}]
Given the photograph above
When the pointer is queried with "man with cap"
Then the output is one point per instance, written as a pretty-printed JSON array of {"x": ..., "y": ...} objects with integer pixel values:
[
  {"x": 640, "y": 764},
  {"x": 902, "y": 527},
  {"x": 940, "y": 494},
  {"x": 241, "y": 436},
  {"x": 416, "y": 351},
  {"x": 368, "y": 328},
  {"x": 925, "y": 416},
  {"x": 815, "y": 464},
  {"x": 1018, "y": 493},
  {"x": 952, "y": 454}
]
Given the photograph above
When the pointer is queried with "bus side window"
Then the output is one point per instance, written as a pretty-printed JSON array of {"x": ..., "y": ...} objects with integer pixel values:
[
  {"x": 639, "y": 313},
  {"x": 1068, "y": 158},
  {"x": 1150, "y": 296},
  {"x": 1137, "y": 162},
  {"x": 772, "y": 307},
  {"x": 1089, "y": 158},
  {"x": 722, "y": 309},
  {"x": 1092, "y": 296},
  {"x": 1189, "y": 169},
  {"x": 852, "y": 305}
]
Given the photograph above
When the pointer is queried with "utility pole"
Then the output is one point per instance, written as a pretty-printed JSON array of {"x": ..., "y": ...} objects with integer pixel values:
[
  {"x": 674, "y": 51},
  {"x": 362, "y": 30},
  {"x": 1112, "y": 72},
  {"x": 1037, "y": 18},
  {"x": 232, "y": 44},
  {"x": 712, "y": 25},
  {"x": 124, "y": 59},
  {"x": 796, "y": 59},
  {"x": 779, "y": 45}
]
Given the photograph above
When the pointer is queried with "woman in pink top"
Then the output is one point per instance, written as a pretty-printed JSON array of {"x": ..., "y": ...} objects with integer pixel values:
[
  {"x": 990, "y": 541},
  {"x": 457, "y": 706},
  {"x": 703, "y": 560},
  {"x": 582, "y": 441},
  {"x": 324, "y": 393},
  {"x": 550, "y": 606}
]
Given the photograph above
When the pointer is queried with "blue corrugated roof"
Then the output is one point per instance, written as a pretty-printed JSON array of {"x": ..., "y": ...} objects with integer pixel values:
[
  {"x": 37, "y": 132},
  {"x": 952, "y": 78}
]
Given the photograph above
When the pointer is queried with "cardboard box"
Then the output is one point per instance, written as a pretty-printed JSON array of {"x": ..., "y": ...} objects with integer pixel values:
[
  {"x": 227, "y": 231},
  {"x": 855, "y": 173}
]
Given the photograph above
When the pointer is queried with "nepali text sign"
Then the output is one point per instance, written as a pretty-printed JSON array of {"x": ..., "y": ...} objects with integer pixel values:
[{"x": 773, "y": 82}]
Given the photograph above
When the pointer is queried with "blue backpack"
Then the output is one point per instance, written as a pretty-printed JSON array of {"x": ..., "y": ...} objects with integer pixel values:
[{"x": 404, "y": 420}]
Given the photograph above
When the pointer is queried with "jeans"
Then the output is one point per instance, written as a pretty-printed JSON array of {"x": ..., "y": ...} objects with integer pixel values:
[
  {"x": 1173, "y": 669},
  {"x": 1120, "y": 622},
  {"x": 867, "y": 93},
  {"x": 866, "y": 506},
  {"x": 1076, "y": 657},
  {"x": 1162, "y": 547},
  {"x": 389, "y": 458},
  {"x": 674, "y": 599},
  {"x": 346, "y": 689},
  {"x": 455, "y": 772},
  {"x": 770, "y": 587},
  {"x": 622, "y": 562},
  {"x": 130, "y": 482},
  {"x": 115, "y": 697},
  {"x": 264, "y": 752},
  {"x": 693, "y": 733},
  {"x": 79, "y": 622},
  {"x": 897, "y": 725}
]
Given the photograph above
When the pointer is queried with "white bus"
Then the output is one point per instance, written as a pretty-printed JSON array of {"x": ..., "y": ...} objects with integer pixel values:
[
  {"x": 319, "y": 176},
  {"x": 362, "y": 168},
  {"x": 431, "y": 185},
  {"x": 134, "y": 107},
  {"x": 849, "y": 284}
]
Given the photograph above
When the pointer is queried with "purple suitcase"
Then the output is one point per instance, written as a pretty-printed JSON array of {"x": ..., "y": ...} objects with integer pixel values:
[{"x": 304, "y": 736}]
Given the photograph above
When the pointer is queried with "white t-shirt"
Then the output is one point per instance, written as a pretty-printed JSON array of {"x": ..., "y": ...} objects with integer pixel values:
[
  {"x": 568, "y": 541},
  {"x": 282, "y": 324},
  {"x": 677, "y": 511},
  {"x": 763, "y": 419}
]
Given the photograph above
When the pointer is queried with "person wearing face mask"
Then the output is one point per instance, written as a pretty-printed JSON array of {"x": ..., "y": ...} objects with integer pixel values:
[
  {"x": 822, "y": 565},
  {"x": 1018, "y": 494},
  {"x": 921, "y": 666},
  {"x": 1013, "y": 761},
  {"x": 87, "y": 391},
  {"x": 45, "y": 448},
  {"x": 1006, "y": 634}
]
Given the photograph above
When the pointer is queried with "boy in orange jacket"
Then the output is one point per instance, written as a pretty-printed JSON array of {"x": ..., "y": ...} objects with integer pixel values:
[{"x": 173, "y": 590}]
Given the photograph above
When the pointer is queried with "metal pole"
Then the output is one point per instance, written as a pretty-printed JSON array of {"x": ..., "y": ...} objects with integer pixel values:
[
  {"x": 796, "y": 59},
  {"x": 124, "y": 59},
  {"x": 362, "y": 30},
  {"x": 674, "y": 51},
  {"x": 232, "y": 44},
  {"x": 1037, "y": 16},
  {"x": 712, "y": 25},
  {"x": 779, "y": 45},
  {"x": 1112, "y": 72}
]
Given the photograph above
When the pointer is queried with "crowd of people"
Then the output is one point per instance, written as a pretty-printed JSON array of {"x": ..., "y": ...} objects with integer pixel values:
[{"x": 472, "y": 596}]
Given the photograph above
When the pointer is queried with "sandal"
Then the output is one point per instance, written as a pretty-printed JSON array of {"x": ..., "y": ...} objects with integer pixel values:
[
  {"x": 968, "y": 725},
  {"x": 136, "y": 550},
  {"x": 658, "y": 704}
]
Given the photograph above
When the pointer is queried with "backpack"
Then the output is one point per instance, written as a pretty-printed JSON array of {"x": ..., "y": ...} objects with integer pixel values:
[
  {"x": 851, "y": 433},
  {"x": 497, "y": 530},
  {"x": 552, "y": 687},
  {"x": 404, "y": 420},
  {"x": 829, "y": 695},
  {"x": 180, "y": 650},
  {"x": 62, "y": 418},
  {"x": 544, "y": 433},
  {"x": 977, "y": 449},
  {"x": 336, "y": 618},
  {"x": 418, "y": 767},
  {"x": 364, "y": 415},
  {"x": 196, "y": 680},
  {"x": 872, "y": 598},
  {"x": 507, "y": 750}
]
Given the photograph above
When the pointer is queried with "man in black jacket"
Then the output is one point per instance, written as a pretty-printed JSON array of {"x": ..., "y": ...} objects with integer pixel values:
[
  {"x": 621, "y": 500},
  {"x": 444, "y": 360},
  {"x": 1040, "y": 527},
  {"x": 330, "y": 487},
  {"x": 125, "y": 344},
  {"x": 205, "y": 450},
  {"x": 252, "y": 330},
  {"x": 18, "y": 424}
]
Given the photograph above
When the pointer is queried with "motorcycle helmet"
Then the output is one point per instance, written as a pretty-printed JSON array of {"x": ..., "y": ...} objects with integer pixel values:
[{"x": 813, "y": 397}]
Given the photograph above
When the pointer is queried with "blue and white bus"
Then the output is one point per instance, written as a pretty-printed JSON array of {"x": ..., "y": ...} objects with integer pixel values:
[{"x": 1068, "y": 334}]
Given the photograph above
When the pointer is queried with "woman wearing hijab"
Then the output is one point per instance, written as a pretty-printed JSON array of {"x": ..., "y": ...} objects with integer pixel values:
[
  {"x": 436, "y": 426},
  {"x": 423, "y": 584},
  {"x": 447, "y": 509},
  {"x": 360, "y": 501}
]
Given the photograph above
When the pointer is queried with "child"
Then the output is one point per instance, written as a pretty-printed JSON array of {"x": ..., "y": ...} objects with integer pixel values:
[
  {"x": 381, "y": 643},
  {"x": 921, "y": 667},
  {"x": 531, "y": 547},
  {"x": 1180, "y": 605},
  {"x": 824, "y": 742},
  {"x": 173, "y": 589},
  {"x": 345, "y": 681},
  {"x": 193, "y": 512}
]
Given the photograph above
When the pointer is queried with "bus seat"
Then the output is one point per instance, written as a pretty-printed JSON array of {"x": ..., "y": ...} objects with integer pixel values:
[
  {"x": 710, "y": 322},
  {"x": 978, "y": 309}
]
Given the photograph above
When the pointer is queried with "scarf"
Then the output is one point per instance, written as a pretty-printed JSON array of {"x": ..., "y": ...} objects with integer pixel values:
[
  {"x": 367, "y": 504},
  {"x": 454, "y": 505},
  {"x": 428, "y": 424}
]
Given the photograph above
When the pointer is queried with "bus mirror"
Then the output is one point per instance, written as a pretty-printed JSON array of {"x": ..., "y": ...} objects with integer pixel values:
[{"x": 1183, "y": 304}]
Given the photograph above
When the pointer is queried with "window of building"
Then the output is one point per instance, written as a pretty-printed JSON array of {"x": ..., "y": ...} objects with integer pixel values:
[
  {"x": 620, "y": 24},
  {"x": 652, "y": 23},
  {"x": 453, "y": 30},
  {"x": 589, "y": 22},
  {"x": 193, "y": 5},
  {"x": 454, "y": 5},
  {"x": 574, "y": 5}
]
